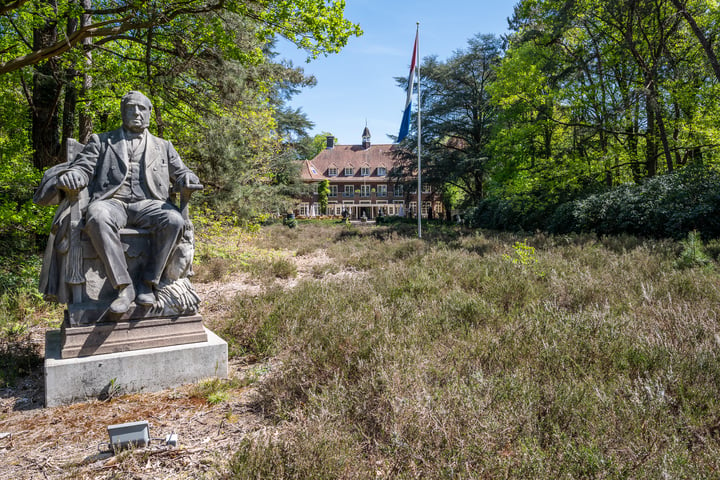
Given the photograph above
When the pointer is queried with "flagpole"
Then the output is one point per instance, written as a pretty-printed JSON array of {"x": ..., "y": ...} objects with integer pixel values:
[{"x": 419, "y": 123}]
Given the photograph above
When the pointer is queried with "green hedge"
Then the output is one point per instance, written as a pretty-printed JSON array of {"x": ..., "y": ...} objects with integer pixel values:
[{"x": 668, "y": 205}]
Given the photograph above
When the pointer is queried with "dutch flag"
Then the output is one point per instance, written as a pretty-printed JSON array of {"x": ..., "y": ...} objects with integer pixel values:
[{"x": 405, "y": 125}]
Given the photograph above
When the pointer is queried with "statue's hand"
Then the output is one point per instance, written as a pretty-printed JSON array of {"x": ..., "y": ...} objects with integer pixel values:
[
  {"x": 72, "y": 181},
  {"x": 189, "y": 183},
  {"x": 191, "y": 179}
]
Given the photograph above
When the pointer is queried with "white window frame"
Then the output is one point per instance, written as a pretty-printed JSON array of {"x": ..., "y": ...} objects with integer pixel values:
[
  {"x": 332, "y": 172},
  {"x": 365, "y": 171},
  {"x": 381, "y": 190},
  {"x": 333, "y": 191},
  {"x": 348, "y": 171},
  {"x": 349, "y": 191},
  {"x": 365, "y": 191}
]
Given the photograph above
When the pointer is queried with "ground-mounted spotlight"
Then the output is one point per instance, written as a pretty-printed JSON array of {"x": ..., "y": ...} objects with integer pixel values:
[{"x": 135, "y": 435}]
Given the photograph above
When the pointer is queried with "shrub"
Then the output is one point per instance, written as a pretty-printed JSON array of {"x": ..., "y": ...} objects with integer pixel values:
[{"x": 668, "y": 205}]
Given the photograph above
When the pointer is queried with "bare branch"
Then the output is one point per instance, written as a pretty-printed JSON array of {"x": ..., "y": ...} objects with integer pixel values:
[
  {"x": 100, "y": 29},
  {"x": 9, "y": 7}
]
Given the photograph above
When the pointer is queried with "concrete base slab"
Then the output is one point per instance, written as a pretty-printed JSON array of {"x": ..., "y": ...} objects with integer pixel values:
[{"x": 79, "y": 379}]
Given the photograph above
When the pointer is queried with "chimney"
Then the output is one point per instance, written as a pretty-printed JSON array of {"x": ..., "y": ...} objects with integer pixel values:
[{"x": 330, "y": 141}]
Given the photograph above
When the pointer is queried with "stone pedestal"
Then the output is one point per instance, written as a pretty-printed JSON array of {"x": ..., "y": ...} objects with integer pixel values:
[
  {"x": 74, "y": 380},
  {"x": 123, "y": 336}
]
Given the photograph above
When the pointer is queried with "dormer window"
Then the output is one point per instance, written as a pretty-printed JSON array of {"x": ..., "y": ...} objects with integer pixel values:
[
  {"x": 332, "y": 172},
  {"x": 381, "y": 171},
  {"x": 365, "y": 171},
  {"x": 348, "y": 171}
]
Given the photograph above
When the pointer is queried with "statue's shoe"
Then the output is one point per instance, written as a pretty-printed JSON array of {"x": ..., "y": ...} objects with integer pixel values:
[
  {"x": 145, "y": 296},
  {"x": 125, "y": 297}
]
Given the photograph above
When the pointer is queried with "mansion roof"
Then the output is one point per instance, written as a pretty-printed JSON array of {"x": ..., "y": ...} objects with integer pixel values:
[{"x": 331, "y": 163}]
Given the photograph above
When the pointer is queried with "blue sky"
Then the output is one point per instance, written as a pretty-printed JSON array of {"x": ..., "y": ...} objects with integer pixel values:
[{"x": 358, "y": 83}]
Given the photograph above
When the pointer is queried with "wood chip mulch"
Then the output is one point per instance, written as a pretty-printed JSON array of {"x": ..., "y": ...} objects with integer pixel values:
[{"x": 72, "y": 441}]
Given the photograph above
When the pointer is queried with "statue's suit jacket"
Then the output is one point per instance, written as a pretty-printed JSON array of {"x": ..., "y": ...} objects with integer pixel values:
[{"x": 104, "y": 162}]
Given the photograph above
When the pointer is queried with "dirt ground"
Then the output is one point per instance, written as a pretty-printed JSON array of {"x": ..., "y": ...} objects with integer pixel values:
[{"x": 72, "y": 441}]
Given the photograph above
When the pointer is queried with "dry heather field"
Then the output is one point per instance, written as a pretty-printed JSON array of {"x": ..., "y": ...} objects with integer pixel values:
[{"x": 363, "y": 352}]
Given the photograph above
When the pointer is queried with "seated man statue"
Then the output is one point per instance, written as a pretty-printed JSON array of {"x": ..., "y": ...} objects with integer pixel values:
[{"x": 129, "y": 174}]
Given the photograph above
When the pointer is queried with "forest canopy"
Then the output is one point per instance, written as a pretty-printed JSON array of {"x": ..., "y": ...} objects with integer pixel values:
[
  {"x": 581, "y": 97},
  {"x": 218, "y": 90},
  {"x": 582, "y": 103}
]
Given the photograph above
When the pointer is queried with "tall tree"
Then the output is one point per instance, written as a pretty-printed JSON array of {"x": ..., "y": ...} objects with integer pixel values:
[
  {"x": 458, "y": 118},
  {"x": 613, "y": 70},
  {"x": 172, "y": 49}
]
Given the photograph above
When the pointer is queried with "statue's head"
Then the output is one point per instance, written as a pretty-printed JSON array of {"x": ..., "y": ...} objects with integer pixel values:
[{"x": 135, "y": 109}]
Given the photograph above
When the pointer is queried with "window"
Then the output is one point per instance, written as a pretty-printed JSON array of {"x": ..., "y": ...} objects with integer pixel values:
[
  {"x": 426, "y": 188},
  {"x": 398, "y": 190},
  {"x": 365, "y": 171},
  {"x": 332, "y": 172},
  {"x": 348, "y": 171},
  {"x": 382, "y": 190},
  {"x": 381, "y": 171},
  {"x": 349, "y": 191},
  {"x": 364, "y": 190},
  {"x": 333, "y": 191}
]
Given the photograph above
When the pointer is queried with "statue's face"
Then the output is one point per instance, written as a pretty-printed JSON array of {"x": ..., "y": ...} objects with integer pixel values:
[{"x": 136, "y": 113}]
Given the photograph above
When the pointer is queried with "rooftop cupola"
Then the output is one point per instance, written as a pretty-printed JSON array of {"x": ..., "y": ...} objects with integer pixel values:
[{"x": 366, "y": 138}]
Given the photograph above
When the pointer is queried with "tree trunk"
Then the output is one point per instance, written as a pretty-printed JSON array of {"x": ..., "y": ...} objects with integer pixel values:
[
  {"x": 655, "y": 104},
  {"x": 676, "y": 134},
  {"x": 70, "y": 103},
  {"x": 45, "y": 100},
  {"x": 651, "y": 149},
  {"x": 85, "y": 123},
  {"x": 69, "y": 109},
  {"x": 700, "y": 35}
]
